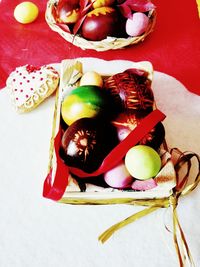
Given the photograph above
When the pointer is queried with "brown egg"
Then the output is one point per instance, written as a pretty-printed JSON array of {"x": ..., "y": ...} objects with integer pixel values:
[
  {"x": 68, "y": 11},
  {"x": 125, "y": 123},
  {"x": 100, "y": 23},
  {"x": 86, "y": 143},
  {"x": 131, "y": 91}
]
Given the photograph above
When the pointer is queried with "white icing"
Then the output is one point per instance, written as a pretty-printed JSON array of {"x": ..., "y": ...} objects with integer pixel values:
[{"x": 28, "y": 86}]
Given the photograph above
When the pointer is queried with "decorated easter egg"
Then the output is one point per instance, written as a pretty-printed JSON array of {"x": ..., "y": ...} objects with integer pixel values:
[
  {"x": 131, "y": 90},
  {"x": 68, "y": 11},
  {"x": 84, "y": 101},
  {"x": 100, "y": 23},
  {"x": 118, "y": 177},
  {"x": 86, "y": 142},
  {"x": 142, "y": 162},
  {"x": 137, "y": 25},
  {"x": 26, "y": 12},
  {"x": 126, "y": 122},
  {"x": 101, "y": 3},
  {"x": 91, "y": 78}
]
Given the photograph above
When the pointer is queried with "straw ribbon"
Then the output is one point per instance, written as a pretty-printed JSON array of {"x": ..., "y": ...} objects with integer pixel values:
[
  {"x": 198, "y": 6},
  {"x": 172, "y": 201}
]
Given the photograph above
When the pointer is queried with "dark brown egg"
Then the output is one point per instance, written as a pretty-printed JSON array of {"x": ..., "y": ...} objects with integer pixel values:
[
  {"x": 131, "y": 91},
  {"x": 125, "y": 123},
  {"x": 86, "y": 142},
  {"x": 100, "y": 23},
  {"x": 68, "y": 11}
]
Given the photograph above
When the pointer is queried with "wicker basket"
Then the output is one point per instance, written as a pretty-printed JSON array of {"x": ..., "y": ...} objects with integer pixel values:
[{"x": 103, "y": 45}]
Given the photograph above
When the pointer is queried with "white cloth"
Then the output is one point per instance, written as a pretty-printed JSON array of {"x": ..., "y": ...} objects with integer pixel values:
[{"x": 39, "y": 232}]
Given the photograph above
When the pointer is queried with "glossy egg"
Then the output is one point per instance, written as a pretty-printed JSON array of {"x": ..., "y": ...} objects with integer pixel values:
[
  {"x": 137, "y": 25},
  {"x": 91, "y": 78},
  {"x": 84, "y": 101},
  {"x": 126, "y": 122},
  {"x": 130, "y": 91},
  {"x": 86, "y": 142},
  {"x": 100, "y": 23},
  {"x": 142, "y": 162},
  {"x": 26, "y": 12},
  {"x": 118, "y": 177},
  {"x": 101, "y": 3},
  {"x": 68, "y": 11}
]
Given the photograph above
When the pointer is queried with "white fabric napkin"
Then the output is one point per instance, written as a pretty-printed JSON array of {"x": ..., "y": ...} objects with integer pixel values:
[{"x": 38, "y": 232}]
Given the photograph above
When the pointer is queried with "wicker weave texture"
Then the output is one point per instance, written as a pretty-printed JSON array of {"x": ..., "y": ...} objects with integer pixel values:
[{"x": 107, "y": 44}]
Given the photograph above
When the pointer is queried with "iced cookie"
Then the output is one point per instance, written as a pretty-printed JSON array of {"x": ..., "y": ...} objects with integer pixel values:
[{"x": 30, "y": 85}]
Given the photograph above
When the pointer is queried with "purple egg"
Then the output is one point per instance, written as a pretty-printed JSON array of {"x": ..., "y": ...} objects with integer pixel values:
[
  {"x": 137, "y": 24},
  {"x": 118, "y": 177}
]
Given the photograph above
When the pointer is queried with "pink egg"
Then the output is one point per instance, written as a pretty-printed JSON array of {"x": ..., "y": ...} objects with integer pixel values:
[
  {"x": 143, "y": 185},
  {"x": 137, "y": 24},
  {"x": 118, "y": 177}
]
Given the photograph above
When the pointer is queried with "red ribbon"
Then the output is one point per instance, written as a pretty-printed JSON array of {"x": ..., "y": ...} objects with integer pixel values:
[{"x": 56, "y": 190}]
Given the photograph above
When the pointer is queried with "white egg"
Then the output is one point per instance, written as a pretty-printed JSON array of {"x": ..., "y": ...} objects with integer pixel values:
[
  {"x": 91, "y": 78},
  {"x": 137, "y": 24},
  {"x": 118, "y": 177}
]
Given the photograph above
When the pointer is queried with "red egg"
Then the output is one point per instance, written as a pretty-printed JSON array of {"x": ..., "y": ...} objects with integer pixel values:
[
  {"x": 68, "y": 11},
  {"x": 131, "y": 90},
  {"x": 86, "y": 142},
  {"x": 125, "y": 123},
  {"x": 100, "y": 23}
]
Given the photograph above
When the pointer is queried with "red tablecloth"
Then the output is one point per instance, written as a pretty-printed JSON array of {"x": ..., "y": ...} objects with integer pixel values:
[{"x": 173, "y": 47}]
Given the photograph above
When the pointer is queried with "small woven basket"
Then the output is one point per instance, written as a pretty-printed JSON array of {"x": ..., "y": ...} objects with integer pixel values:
[{"x": 103, "y": 45}]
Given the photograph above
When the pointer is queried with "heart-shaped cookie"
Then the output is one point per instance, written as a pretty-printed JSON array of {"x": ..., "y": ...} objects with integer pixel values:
[{"x": 30, "y": 85}]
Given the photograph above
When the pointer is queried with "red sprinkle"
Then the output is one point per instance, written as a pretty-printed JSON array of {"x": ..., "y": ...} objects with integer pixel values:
[
  {"x": 31, "y": 89},
  {"x": 20, "y": 83},
  {"x": 24, "y": 77},
  {"x": 21, "y": 90},
  {"x": 28, "y": 81},
  {"x": 31, "y": 68},
  {"x": 26, "y": 96},
  {"x": 15, "y": 89},
  {"x": 33, "y": 77},
  {"x": 41, "y": 79},
  {"x": 14, "y": 80},
  {"x": 17, "y": 98}
]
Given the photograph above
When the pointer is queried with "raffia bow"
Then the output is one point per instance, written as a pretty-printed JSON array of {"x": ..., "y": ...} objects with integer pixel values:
[{"x": 181, "y": 189}]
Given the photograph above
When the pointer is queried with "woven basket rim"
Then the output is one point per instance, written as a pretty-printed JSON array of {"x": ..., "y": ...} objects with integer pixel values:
[{"x": 110, "y": 43}]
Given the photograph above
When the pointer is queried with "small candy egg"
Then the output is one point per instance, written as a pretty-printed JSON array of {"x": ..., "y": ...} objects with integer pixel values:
[
  {"x": 26, "y": 12},
  {"x": 142, "y": 162},
  {"x": 143, "y": 185},
  {"x": 118, "y": 177},
  {"x": 91, "y": 78},
  {"x": 137, "y": 24}
]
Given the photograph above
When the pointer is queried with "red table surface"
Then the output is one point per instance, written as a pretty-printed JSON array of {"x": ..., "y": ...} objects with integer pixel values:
[{"x": 173, "y": 47}]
